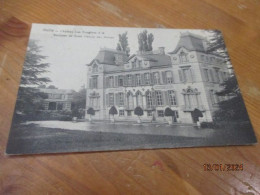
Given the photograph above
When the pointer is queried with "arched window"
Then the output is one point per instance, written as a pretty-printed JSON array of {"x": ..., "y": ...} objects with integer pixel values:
[{"x": 139, "y": 99}]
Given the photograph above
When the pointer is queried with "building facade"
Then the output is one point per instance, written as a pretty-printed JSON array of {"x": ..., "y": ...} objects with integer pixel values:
[
  {"x": 184, "y": 80},
  {"x": 57, "y": 99}
]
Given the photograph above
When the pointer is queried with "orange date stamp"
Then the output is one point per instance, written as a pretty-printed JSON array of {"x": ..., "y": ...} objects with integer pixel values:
[{"x": 223, "y": 167}]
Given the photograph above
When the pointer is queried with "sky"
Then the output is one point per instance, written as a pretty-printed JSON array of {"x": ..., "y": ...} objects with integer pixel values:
[{"x": 70, "y": 48}]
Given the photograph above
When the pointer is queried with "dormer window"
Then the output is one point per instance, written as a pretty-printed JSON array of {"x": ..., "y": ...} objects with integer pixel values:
[
  {"x": 183, "y": 57},
  {"x": 139, "y": 63},
  {"x": 95, "y": 68},
  {"x": 133, "y": 65}
]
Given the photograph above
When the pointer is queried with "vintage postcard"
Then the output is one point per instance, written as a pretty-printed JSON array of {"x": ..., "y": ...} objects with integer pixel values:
[{"x": 89, "y": 88}]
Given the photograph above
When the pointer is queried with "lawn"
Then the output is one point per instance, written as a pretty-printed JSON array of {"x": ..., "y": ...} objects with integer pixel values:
[{"x": 31, "y": 139}]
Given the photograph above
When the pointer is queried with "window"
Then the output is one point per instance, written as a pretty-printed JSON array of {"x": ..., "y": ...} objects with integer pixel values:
[
  {"x": 169, "y": 78},
  {"x": 138, "y": 80},
  {"x": 120, "y": 81},
  {"x": 185, "y": 75},
  {"x": 133, "y": 65},
  {"x": 202, "y": 57},
  {"x": 121, "y": 113},
  {"x": 56, "y": 96},
  {"x": 160, "y": 113},
  {"x": 111, "y": 99},
  {"x": 211, "y": 75},
  {"x": 217, "y": 75},
  {"x": 172, "y": 98},
  {"x": 147, "y": 78},
  {"x": 139, "y": 99},
  {"x": 129, "y": 113},
  {"x": 159, "y": 98},
  {"x": 95, "y": 82},
  {"x": 139, "y": 63},
  {"x": 59, "y": 106},
  {"x": 95, "y": 68},
  {"x": 156, "y": 78},
  {"x": 121, "y": 99},
  {"x": 183, "y": 57},
  {"x": 129, "y": 80},
  {"x": 149, "y": 113},
  {"x": 52, "y": 106},
  {"x": 213, "y": 97},
  {"x": 206, "y": 74},
  {"x": 149, "y": 99},
  {"x": 111, "y": 81}
]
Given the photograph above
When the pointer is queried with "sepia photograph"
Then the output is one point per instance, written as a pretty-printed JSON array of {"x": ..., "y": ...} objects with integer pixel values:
[{"x": 86, "y": 88}]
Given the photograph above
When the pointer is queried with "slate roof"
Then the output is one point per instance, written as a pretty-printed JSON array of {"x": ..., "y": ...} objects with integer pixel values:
[
  {"x": 156, "y": 59},
  {"x": 107, "y": 56},
  {"x": 190, "y": 42}
]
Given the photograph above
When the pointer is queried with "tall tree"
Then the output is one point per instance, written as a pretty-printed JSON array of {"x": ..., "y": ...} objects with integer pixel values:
[
  {"x": 79, "y": 102},
  {"x": 29, "y": 97},
  {"x": 145, "y": 41},
  {"x": 122, "y": 44},
  {"x": 233, "y": 107},
  {"x": 217, "y": 45}
]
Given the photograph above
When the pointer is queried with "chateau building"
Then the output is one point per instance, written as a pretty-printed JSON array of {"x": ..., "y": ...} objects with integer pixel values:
[
  {"x": 57, "y": 99},
  {"x": 184, "y": 80}
]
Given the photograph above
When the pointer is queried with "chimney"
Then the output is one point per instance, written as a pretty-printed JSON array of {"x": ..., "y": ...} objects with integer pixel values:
[{"x": 161, "y": 50}]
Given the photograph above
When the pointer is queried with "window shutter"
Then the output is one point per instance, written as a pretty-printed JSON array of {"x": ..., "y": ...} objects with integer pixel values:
[
  {"x": 133, "y": 80},
  {"x": 90, "y": 83},
  {"x": 175, "y": 95},
  {"x": 124, "y": 99},
  {"x": 166, "y": 98},
  {"x": 181, "y": 75},
  {"x": 107, "y": 99},
  {"x": 116, "y": 81},
  {"x": 151, "y": 78},
  {"x": 142, "y": 79},
  {"x": 154, "y": 102},
  {"x": 159, "y": 78},
  {"x": 107, "y": 82},
  {"x": 172, "y": 77},
  {"x": 117, "y": 99},
  {"x": 124, "y": 81},
  {"x": 164, "y": 77}
]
